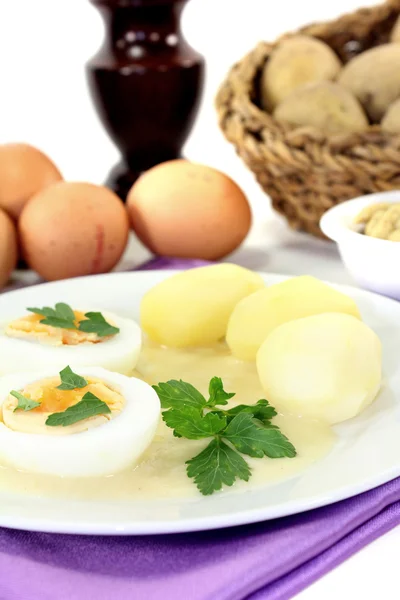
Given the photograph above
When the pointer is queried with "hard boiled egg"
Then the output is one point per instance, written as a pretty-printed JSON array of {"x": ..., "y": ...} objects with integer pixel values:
[
  {"x": 26, "y": 344},
  {"x": 96, "y": 446}
]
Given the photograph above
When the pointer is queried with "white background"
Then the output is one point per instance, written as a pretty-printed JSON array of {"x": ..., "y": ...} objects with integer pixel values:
[{"x": 44, "y": 45}]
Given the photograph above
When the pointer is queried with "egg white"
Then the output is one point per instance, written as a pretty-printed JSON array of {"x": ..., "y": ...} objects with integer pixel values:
[
  {"x": 98, "y": 451},
  {"x": 119, "y": 353}
]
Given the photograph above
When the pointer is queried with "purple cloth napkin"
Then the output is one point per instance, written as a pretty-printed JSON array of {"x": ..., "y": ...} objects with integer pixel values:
[{"x": 266, "y": 561}]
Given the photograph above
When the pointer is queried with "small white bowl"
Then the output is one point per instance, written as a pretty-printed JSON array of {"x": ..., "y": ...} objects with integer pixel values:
[{"x": 374, "y": 263}]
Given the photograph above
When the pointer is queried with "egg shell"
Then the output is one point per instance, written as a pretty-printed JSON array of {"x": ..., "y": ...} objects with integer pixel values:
[
  {"x": 119, "y": 353},
  {"x": 8, "y": 248},
  {"x": 188, "y": 210},
  {"x": 24, "y": 171},
  {"x": 72, "y": 229},
  {"x": 100, "y": 451}
]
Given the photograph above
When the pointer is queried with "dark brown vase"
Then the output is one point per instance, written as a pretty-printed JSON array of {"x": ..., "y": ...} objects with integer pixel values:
[{"x": 146, "y": 84}]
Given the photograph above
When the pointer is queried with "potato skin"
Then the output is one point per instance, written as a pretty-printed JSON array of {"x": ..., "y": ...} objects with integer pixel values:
[
  {"x": 391, "y": 120},
  {"x": 73, "y": 229},
  {"x": 374, "y": 78},
  {"x": 326, "y": 106},
  {"x": 395, "y": 35},
  {"x": 295, "y": 62}
]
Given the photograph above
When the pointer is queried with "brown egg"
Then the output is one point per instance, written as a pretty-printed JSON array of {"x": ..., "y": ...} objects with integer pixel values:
[
  {"x": 72, "y": 229},
  {"x": 24, "y": 171},
  {"x": 8, "y": 247},
  {"x": 188, "y": 210}
]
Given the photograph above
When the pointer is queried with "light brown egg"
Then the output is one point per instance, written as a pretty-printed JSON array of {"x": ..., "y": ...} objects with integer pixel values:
[
  {"x": 8, "y": 247},
  {"x": 72, "y": 229},
  {"x": 24, "y": 171},
  {"x": 188, "y": 210}
]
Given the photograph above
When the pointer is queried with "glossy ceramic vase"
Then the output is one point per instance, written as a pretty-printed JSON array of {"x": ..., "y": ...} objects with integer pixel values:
[{"x": 146, "y": 84}]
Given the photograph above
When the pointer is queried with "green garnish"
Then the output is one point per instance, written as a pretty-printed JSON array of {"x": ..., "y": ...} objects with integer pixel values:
[
  {"x": 24, "y": 403},
  {"x": 244, "y": 429},
  {"x": 70, "y": 380},
  {"x": 89, "y": 406},
  {"x": 61, "y": 316},
  {"x": 96, "y": 323}
]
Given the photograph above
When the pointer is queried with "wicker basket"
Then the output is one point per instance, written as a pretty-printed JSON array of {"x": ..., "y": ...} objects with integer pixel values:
[{"x": 302, "y": 170}]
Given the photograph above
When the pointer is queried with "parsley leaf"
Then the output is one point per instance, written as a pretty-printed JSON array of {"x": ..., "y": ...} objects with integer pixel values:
[
  {"x": 96, "y": 323},
  {"x": 24, "y": 403},
  {"x": 251, "y": 437},
  {"x": 89, "y": 406},
  {"x": 217, "y": 393},
  {"x": 243, "y": 429},
  {"x": 215, "y": 466},
  {"x": 179, "y": 394},
  {"x": 62, "y": 316},
  {"x": 262, "y": 411},
  {"x": 70, "y": 380},
  {"x": 191, "y": 424}
]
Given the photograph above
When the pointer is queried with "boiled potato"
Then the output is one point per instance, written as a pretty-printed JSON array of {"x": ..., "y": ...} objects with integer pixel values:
[
  {"x": 326, "y": 106},
  {"x": 374, "y": 78},
  {"x": 326, "y": 367},
  {"x": 193, "y": 308},
  {"x": 296, "y": 61},
  {"x": 257, "y": 315}
]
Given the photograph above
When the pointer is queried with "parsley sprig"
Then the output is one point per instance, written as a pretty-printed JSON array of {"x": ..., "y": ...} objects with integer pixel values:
[
  {"x": 243, "y": 429},
  {"x": 62, "y": 316}
]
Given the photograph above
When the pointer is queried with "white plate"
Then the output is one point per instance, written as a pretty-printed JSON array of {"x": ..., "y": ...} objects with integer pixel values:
[{"x": 366, "y": 454}]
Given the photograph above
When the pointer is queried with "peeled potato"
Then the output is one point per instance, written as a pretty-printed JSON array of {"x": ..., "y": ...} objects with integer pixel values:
[
  {"x": 257, "y": 315},
  {"x": 193, "y": 308},
  {"x": 326, "y": 367},
  {"x": 326, "y": 106},
  {"x": 374, "y": 78},
  {"x": 296, "y": 61}
]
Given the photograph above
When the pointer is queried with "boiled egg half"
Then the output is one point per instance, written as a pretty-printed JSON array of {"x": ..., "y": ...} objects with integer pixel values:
[
  {"x": 27, "y": 343},
  {"x": 99, "y": 443}
]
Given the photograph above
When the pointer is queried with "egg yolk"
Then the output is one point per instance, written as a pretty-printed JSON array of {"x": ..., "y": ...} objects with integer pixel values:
[
  {"x": 53, "y": 400},
  {"x": 31, "y": 327}
]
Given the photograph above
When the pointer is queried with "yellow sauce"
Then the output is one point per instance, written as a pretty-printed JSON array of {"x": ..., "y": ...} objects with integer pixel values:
[{"x": 161, "y": 472}]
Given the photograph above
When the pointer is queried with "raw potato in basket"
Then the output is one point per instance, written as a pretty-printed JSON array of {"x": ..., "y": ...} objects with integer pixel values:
[
  {"x": 391, "y": 120},
  {"x": 374, "y": 78},
  {"x": 296, "y": 61},
  {"x": 395, "y": 36},
  {"x": 326, "y": 106}
]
